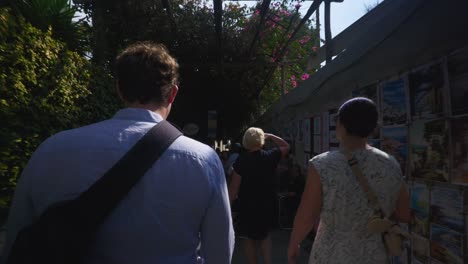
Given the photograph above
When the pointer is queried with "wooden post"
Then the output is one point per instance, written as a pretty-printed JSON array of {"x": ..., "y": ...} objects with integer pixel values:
[
  {"x": 317, "y": 27},
  {"x": 328, "y": 34},
  {"x": 218, "y": 18},
  {"x": 283, "y": 78}
]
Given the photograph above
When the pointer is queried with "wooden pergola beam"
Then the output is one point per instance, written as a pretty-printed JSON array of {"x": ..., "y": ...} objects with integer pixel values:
[{"x": 328, "y": 36}]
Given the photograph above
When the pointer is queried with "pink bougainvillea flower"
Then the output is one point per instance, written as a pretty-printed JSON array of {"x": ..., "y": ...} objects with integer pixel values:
[
  {"x": 305, "y": 76},
  {"x": 294, "y": 84},
  {"x": 293, "y": 77},
  {"x": 257, "y": 12},
  {"x": 304, "y": 39},
  {"x": 314, "y": 48}
]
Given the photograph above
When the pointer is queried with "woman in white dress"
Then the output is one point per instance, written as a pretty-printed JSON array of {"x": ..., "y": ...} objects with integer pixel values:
[{"x": 333, "y": 193}]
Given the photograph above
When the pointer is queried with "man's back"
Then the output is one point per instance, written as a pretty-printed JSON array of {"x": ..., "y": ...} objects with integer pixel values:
[{"x": 181, "y": 201}]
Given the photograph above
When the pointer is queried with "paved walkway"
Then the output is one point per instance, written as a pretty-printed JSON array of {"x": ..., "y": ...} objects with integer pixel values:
[{"x": 280, "y": 240}]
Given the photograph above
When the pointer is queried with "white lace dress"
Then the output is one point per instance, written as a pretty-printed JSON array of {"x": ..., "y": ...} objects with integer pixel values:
[{"x": 342, "y": 235}]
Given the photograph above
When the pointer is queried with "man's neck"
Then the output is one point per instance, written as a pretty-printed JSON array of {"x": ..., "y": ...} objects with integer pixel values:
[
  {"x": 160, "y": 110},
  {"x": 354, "y": 143}
]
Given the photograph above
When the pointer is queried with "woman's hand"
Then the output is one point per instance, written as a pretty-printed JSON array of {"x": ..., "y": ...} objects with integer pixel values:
[{"x": 293, "y": 253}]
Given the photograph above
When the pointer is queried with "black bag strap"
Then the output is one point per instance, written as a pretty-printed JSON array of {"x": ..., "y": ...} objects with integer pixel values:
[{"x": 96, "y": 203}]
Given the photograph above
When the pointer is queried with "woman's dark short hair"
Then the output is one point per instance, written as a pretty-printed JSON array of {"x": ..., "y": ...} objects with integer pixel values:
[
  {"x": 359, "y": 116},
  {"x": 146, "y": 72}
]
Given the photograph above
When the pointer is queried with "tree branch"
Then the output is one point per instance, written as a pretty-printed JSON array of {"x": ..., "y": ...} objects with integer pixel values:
[
  {"x": 263, "y": 11},
  {"x": 280, "y": 56}
]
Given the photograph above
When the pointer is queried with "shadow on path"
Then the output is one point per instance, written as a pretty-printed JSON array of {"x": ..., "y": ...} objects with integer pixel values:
[{"x": 280, "y": 240}]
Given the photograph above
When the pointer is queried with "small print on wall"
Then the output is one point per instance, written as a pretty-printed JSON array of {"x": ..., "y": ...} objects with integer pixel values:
[
  {"x": 317, "y": 125},
  {"x": 426, "y": 91},
  {"x": 300, "y": 134},
  {"x": 333, "y": 140},
  {"x": 395, "y": 143},
  {"x": 458, "y": 81},
  {"x": 429, "y": 158},
  {"x": 369, "y": 91},
  {"x": 325, "y": 131},
  {"x": 306, "y": 159},
  {"x": 446, "y": 245},
  {"x": 394, "y": 102},
  {"x": 447, "y": 207},
  {"x": 316, "y": 139},
  {"x": 420, "y": 204},
  {"x": 420, "y": 197},
  {"x": 306, "y": 134},
  {"x": 460, "y": 151},
  {"x": 317, "y": 144}
]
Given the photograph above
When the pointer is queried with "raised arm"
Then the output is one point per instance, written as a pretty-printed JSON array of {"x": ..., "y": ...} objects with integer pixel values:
[{"x": 281, "y": 143}]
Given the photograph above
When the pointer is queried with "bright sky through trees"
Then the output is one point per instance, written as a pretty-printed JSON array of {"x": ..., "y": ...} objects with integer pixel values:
[{"x": 342, "y": 14}]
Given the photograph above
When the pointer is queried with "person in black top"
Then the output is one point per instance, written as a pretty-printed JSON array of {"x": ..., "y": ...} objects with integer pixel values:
[
  {"x": 294, "y": 190},
  {"x": 253, "y": 183}
]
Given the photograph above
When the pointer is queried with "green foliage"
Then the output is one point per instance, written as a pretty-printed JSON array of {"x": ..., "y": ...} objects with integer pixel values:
[
  {"x": 103, "y": 101},
  {"x": 42, "y": 85},
  {"x": 58, "y": 15},
  {"x": 226, "y": 76}
]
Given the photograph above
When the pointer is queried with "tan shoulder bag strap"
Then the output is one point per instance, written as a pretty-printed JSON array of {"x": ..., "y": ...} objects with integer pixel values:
[{"x": 371, "y": 196}]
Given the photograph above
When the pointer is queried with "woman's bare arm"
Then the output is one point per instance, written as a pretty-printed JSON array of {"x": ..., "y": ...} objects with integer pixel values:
[
  {"x": 309, "y": 209},
  {"x": 402, "y": 211},
  {"x": 281, "y": 143},
  {"x": 234, "y": 186}
]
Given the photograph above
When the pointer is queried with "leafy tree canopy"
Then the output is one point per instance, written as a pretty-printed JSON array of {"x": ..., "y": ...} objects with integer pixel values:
[
  {"x": 42, "y": 85},
  {"x": 227, "y": 76},
  {"x": 58, "y": 15}
]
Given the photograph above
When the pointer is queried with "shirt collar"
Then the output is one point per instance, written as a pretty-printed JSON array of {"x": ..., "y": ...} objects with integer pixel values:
[{"x": 138, "y": 114}]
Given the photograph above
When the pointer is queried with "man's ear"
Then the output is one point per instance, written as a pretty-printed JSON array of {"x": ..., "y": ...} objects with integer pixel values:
[{"x": 173, "y": 94}]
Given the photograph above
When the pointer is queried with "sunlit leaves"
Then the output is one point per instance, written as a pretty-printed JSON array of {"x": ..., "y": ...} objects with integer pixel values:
[{"x": 42, "y": 87}]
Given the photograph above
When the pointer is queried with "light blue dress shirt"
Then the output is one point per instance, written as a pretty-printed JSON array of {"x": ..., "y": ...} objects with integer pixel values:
[{"x": 181, "y": 202}]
